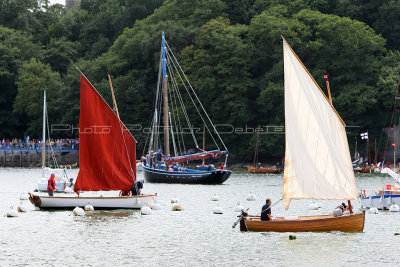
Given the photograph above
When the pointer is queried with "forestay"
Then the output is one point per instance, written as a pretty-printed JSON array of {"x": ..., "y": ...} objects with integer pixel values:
[{"x": 317, "y": 157}]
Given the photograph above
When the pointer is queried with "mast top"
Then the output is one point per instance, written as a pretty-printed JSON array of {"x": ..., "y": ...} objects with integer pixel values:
[{"x": 164, "y": 61}]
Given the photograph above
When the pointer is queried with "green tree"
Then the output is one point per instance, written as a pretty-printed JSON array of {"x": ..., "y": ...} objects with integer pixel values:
[
  {"x": 34, "y": 78},
  {"x": 15, "y": 49}
]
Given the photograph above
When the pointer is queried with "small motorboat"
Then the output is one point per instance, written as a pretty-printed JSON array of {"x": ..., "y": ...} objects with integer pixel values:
[{"x": 252, "y": 169}]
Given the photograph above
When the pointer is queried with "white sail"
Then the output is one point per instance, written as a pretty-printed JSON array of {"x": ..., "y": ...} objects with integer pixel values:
[{"x": 317, "y": 158}]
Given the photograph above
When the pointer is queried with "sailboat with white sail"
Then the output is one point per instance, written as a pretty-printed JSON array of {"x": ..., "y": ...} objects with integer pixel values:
[
  {"x": 62, "y": 179},
  {"x": 317, "y": 158},
  {"x": 107, "y": 159}
]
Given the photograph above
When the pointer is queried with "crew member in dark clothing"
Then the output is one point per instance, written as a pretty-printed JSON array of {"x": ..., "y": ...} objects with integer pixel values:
[
  {"x": 159, "y": 158},
  {"x": 137, "y": 187},
  {"x": 266, "y": 211}
]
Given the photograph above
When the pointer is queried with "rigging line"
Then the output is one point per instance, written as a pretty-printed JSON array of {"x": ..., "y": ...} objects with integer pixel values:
[
  {"x": 122, "y": 131},
  {"x": 194, "y": 104},
  {"x": 387, "y": 115},
  {"x": 152, "y": 132},
  {"x": 184, "y": 109},
  {"x": 197, "y": 98},
  {"x": 51, "y": 147},
  {"x": 172, "y": 134},
  {"x": 172, "y": 97},
  {"x": 198, "y": 111},
  {"x": 174, "y": 91}
]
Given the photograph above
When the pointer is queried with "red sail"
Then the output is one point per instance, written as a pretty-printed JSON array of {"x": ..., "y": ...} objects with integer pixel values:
[{"x": 107, "y": 150}]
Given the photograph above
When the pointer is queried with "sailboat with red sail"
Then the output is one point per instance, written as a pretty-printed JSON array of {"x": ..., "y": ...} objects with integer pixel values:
[{"x": 107, "y": 159}]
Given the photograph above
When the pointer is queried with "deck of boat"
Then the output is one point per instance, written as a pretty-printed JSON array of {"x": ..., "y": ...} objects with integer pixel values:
[{"x": 320, "y": 223}]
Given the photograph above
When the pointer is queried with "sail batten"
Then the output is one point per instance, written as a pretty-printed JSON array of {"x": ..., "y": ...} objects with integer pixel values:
[
  {"x": 317, "y": 157},
  {"x": 107, "y": 150}
]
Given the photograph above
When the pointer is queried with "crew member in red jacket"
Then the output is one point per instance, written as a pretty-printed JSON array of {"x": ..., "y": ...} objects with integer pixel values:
[{"x": 51, "y": 185}]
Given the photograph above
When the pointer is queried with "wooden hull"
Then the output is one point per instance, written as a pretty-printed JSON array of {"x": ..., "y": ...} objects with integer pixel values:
[
  {"x": 199, "y": 177},
  {"x": 63, "y": 201},
  {"x": 323, "y": 223},
  {"x": 263, "y": 170},
  {"x": 363, "y": 170}
]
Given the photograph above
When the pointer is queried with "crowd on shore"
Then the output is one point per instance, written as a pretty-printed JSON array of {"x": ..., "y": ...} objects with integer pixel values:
[{"x": 36, "y": 144}]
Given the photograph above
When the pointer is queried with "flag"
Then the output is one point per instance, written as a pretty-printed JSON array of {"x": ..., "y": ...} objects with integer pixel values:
[
  {"x": 325, "y": 76},
  {"x": 364, "y": 135}
]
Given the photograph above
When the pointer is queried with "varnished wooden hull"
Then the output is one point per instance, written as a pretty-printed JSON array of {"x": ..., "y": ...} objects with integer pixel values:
[
  {"x": 263, "y": 170},
  {"x": 323, "y": 223}
]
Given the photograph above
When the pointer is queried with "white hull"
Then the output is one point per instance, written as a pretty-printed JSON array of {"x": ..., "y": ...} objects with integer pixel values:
[
  {"x": 60, "y": 185},
  {"x": 381, "y": 202},
  {"x": 64, "y": 201}
]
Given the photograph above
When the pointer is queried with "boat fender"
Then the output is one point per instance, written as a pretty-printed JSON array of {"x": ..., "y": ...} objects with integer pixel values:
[
  {"x": 89, "y": 207},
  {"x": 373, "y": 210},
  {"x": 176, "y": 207},
  {"x": 394, "y": 208},
  {"x": 239, "y": 207},
  {"x": 24, "y": 196},
  {"x": 11, "y": 212},
  {"x": 215, "y": 198},
  {"x": 22, "y": 208},
  {"x": 78, "y": 211},
  {"x": 337, "y": 212},
  {"x": 145, "y": 210},
  {"x": 251, "y": 197},
  {"x": 218, "y": 210},
  {"x": 68, "y": 190}
]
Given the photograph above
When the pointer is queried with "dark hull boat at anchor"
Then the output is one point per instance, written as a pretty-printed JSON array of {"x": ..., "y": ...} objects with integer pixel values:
[
  {"x": 185, "y": 177},
  {"x": 159, "y": 167}
]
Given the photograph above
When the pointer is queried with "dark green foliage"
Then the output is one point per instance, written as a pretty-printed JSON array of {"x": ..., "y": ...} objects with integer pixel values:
[{"x": 230, "y": 50}]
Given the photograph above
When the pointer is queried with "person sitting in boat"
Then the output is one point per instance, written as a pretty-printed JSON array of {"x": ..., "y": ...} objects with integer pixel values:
[
  {"x": 159, "y": 158},
  {"x": 222, "y": 167},
  {"x": 51, "y": 185},
  {"x": 210, "y": 167},
  {"x": 258, "y": 165},
  {"x": 343, "y": 207},
  {"x": 266, "y": 211},
  {"x": 137, "y": 187}
]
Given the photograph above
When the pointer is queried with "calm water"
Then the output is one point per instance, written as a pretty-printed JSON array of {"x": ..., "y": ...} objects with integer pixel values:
[{"x": 192, "y": 237}]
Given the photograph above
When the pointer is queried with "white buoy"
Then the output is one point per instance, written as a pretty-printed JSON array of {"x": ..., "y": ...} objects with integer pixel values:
[
  {"x": 11, "y": 212},
  {"x": 394, "y": 208},
  {"x": 78, "y": 211},
  {"x": 313, "y": 206},
  {"x": 218, "y": 210},
  {"x": 239, "y": 207},
  {"x": 156, "y": 206},
  {"x": 89, "y": 207},
  {"x": 373, "y": 210},
  {"x": 24, "y": 196},
  {"x": 22, "y": 208},
  {"x": 176, "y": 207},
  {"x": 68, "y": 190},
  {"x": 337, "y": 212},
  {"x": 174, "y": 200},
  {"x": 215, "y": 198},
  {"x": 251, "y": 197},
  {"x": 145, "y": 210}
]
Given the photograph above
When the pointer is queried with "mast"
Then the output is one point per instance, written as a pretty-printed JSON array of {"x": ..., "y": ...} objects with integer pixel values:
[
  {"x": 376, "y": 155},
  {"x": 256, "y": 150},
  {"x": 113, "y": 97},
  {"x": 204, "y": 141},
  {"x": 44, "y": 131},
  {"x": 165, "y": 99}
]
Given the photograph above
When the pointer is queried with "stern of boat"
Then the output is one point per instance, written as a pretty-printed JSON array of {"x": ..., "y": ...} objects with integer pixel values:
[{"x": 35, "y": 200}]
